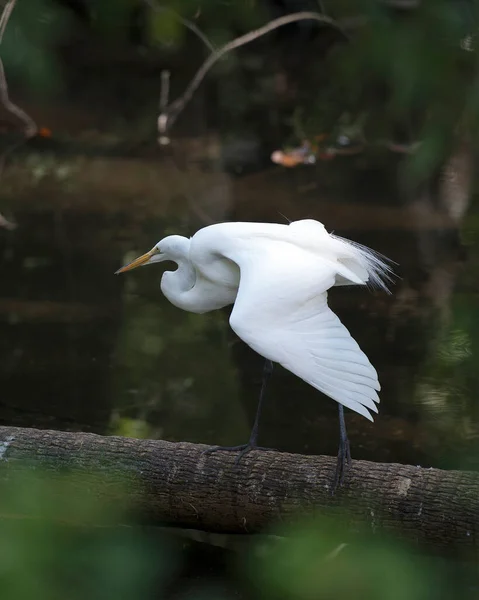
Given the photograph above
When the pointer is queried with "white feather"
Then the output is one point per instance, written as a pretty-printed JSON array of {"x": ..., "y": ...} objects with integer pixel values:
[
  {"x": 358, "y": 264},
  {"x": 278, "y": 276},
  {"x": 281, "y": 311}
]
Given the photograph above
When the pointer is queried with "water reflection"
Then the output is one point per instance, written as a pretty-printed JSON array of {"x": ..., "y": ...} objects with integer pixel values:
[{"x": 84, "y": 350}]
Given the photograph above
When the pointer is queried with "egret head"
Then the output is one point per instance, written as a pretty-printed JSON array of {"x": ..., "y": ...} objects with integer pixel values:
[{"x": 173, "y": 247}]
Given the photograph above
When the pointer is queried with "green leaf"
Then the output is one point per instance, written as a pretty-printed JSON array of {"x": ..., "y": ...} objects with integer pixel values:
[{"x": 165, "y": 27}]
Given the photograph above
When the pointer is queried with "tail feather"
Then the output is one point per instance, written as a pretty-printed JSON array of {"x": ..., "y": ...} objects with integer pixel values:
[
  {"x": 359, "y": 265},
  {"x": 377, "y": 266}
]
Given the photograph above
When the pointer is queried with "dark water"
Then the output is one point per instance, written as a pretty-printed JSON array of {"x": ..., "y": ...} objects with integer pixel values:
[{"x": 85, "y": 350}]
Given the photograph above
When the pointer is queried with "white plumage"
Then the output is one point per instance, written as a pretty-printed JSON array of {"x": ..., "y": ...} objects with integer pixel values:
[{"x": 277, "y": 276}]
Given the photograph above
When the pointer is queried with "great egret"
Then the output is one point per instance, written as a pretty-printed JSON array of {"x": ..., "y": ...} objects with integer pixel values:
[{"x": 277, "y": 276}]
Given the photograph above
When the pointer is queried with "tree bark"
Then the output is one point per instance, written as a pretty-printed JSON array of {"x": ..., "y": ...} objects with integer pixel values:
[{"x": 175, "y": 484}]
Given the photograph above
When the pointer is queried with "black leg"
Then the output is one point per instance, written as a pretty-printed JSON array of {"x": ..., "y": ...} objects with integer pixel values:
[
  {"x": 253, "y": 438},
  {"x": 344, "y": 453},
  {"x": 267, "y": 372}
]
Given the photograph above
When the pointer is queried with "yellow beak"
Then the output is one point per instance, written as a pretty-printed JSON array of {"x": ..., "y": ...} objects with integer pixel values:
[{"x": 138, "y": 262}]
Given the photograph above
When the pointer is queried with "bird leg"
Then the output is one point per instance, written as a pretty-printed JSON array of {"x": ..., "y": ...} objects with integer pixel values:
[
  {"x": 344, "y": 453},
  {"x": 253, "y": 438}
]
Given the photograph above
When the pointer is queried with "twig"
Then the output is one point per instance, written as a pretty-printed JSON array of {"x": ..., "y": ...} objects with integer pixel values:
[
  {"x": 164, "y": 97},
  {"x": 7, "y": 11},
  {"x": 191, "y": 26},
  {"x": 321, "y": 7},
  {"x": 165, "y": 89},
  {"x": 30, "y": 128},
  {"x": 170, "y": 114}
]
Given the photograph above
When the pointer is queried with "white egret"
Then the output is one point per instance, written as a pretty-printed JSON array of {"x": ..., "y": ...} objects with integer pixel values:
[{"x": 277, "y": 277}]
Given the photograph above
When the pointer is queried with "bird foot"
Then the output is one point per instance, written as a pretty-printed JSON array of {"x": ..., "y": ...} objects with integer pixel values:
[
  {"x": 342, "y": 466},
  {"x": 243, "y": 449}
]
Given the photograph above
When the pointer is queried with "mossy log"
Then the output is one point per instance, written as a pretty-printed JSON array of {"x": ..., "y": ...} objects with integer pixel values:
[{"x": 175, "y": 484}]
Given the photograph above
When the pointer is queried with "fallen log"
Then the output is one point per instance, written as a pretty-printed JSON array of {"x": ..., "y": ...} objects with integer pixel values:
[{"x": 175, "y": 484}]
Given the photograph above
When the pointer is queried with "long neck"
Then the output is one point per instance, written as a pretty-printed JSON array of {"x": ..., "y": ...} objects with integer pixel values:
[
  {"x": 178, "y": 285},
  {"x": 193, "y": 293}
]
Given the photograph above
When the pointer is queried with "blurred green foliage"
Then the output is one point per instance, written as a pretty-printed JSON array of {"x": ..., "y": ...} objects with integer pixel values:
[
  {"x": 321, "y": 559},
  {"x": 411, "y": 73},
  {"x": 30, "y": 44},
  {"x": 60, "y": 539},
  {"x": 403, "y": 74}
]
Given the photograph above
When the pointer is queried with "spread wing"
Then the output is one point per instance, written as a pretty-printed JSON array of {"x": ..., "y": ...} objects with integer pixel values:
[{"x": 281, "y": 311}]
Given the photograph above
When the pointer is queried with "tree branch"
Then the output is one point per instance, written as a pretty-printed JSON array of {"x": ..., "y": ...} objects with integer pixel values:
[
  {"x": 175, "y": 484},
  {"x": 171, "y": 113},
  {"x": 7, "y": 11},
  {"x": 30, "y": 128},
  {"x": 186, "y": 22}
]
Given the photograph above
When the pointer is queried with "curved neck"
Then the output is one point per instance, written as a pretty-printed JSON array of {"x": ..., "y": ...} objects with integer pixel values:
[
  {"x": 177, "y": 285},
  {"x": 193, "y": 293},
  {"x": 189, "y": 287}
]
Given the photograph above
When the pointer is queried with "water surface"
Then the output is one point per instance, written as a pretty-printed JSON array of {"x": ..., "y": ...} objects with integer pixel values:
[{"x": 84, "y": 350}]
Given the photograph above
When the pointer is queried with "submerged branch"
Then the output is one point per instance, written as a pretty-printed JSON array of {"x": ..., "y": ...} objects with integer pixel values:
[{"x": 175, "y": 484}]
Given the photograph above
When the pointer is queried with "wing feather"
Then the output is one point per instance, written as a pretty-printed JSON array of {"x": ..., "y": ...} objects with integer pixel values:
[{"x": 281, "y": 311}]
